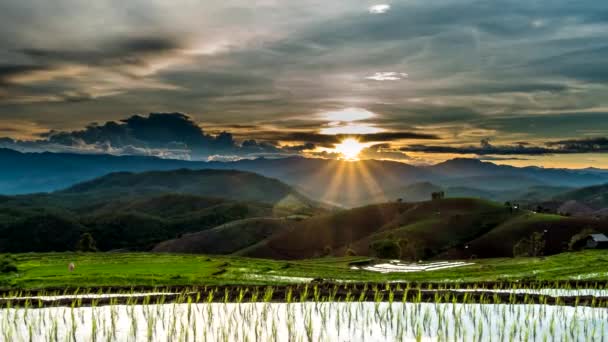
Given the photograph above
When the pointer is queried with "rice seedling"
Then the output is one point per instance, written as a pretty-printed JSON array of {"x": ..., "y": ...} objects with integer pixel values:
[{"x": 311, "y": 312}]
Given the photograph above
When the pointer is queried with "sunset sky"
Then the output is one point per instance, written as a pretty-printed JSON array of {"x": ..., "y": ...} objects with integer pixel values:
[{"x": 516, "y": 82}]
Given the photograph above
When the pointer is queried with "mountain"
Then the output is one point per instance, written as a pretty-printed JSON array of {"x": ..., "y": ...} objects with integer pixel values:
[
  {"x": 589, "y": 201},
  {"x": 23, "y": 173},
  {"x": 227, "y": 184},
  {"x": 137, "y": 210},
  {"x": 343, "y": 183}
]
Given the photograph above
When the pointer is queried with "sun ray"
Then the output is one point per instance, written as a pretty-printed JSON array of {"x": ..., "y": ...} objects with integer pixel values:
[
  {"x": 369, "y": 181},
  {"x": 335, "y": 184}
]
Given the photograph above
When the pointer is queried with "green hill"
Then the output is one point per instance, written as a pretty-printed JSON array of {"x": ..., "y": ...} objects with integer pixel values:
[
  {"x": 225, "y": 239},
  {"x": 432, "y": 226},
  {"x": 137, "y": 211},
  {"x": 448, "y": 228},
  {"x": 557, "y": 232}
]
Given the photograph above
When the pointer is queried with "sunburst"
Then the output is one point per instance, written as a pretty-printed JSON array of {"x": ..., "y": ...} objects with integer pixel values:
[{"x": 349, "y": 148}]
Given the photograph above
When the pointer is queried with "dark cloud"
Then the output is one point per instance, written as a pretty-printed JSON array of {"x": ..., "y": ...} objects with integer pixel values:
[
  {"x": 590, "y": 145},
  {"x": 392, "y": 136},
  {"x": 585, "y": 64},
  {"x": 116, "y": 52},
  {"x": 484, "y": 148},
  {"x": 9, "y": 71},
  {"x": 383, "y": 151},
  {"x": 328, "y": 140},
  {"x": 494, "y": 158},
  {"x": 172, "y": 135}
]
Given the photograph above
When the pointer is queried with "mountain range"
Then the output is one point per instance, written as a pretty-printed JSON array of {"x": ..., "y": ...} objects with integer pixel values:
[
  {"x": 226, "y": 211},
  {"x": 341, "y": 183}
]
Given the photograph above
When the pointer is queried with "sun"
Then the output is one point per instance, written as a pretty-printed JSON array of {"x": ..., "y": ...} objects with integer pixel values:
[{"x": 349, "y": 148}]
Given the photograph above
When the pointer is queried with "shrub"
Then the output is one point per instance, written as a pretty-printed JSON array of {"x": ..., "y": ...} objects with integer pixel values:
[
  {"x": 531, "y": 246},
  {"x": 86, "y": 243},
  {"x": 350, "y": 252},
  {"x": 386, "y": 249},
  {"x": 8, "y": 264}
]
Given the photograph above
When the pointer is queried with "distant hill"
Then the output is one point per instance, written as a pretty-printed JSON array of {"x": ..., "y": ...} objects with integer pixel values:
[
  {"x": 227, "y": 184},
  {"x": 416, "y": 192},
  {"x": 343, "y": 183},
  {"x": 595, "y": 197},
  {"x": 589, "y": 201}
]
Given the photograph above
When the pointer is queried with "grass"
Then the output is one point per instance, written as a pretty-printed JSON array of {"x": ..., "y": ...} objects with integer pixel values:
[{"x": 49, "y": 270}]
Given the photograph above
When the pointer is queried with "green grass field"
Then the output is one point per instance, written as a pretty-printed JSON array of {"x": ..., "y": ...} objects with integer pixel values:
[{"x": 142, "y": 269}]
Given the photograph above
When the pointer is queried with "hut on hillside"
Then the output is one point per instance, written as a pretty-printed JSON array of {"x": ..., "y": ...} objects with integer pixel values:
[{"x": 593, "y": 241}]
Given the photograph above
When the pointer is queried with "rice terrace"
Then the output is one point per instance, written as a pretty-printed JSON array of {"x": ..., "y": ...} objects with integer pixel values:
[
  {"x": 303, "y": 171},
  {"x": 187, "y": 298}
]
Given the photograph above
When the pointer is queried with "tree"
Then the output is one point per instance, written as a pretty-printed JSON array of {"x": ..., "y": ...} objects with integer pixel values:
[
  {"x": 407, "y": 249},
  {"x": 531, "y": 246},
  {"x": 386, "y": 249},
  {"x": 86, "y": 243}
]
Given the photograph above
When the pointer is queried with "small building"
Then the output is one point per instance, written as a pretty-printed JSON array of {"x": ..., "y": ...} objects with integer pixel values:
[{"x": 594, "y": 241}]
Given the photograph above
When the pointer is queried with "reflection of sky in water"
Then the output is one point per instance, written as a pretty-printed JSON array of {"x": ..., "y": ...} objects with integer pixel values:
[{"x": 323, "y": 321}]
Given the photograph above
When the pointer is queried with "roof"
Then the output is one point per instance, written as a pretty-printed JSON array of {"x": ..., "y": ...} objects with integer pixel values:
[{"x": 599, "y": 237}]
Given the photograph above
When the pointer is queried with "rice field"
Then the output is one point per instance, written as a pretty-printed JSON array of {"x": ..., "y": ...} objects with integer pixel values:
[{"x": 310, "y": 312}]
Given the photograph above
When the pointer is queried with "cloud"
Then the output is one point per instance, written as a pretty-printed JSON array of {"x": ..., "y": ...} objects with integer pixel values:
[
  {"x": 350, "y": 128},
  {"x": 124, "y": 51},
  {"x": 379, "y": 9},
  {"x": 393, "y": 136},
  {"x": 383, "y": 152},
  {"x": 328, "y": 140},
  {"x": 167, "y": 135},
  {"x": 484, "y": 148},
  {"x": 589, "y": 145},
  {"x": 475, "y": 70},
  {"x": 348, "y": 115},
  {"x": 387, "y": 76},
  {"x": 9, "y": 72}
]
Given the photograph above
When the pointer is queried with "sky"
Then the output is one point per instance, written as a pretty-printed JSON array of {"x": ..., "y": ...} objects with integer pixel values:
[{"x": 512, "y": 82}]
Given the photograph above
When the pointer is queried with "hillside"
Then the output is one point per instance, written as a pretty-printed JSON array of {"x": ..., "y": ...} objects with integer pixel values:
[
  {"x": 595, "y": 197},
  {"x": 228, "y": 184},
  {"x": 227, "y": 238},
  {"x": 136, "y": 211},
  {"x": 449, "y": 228},
  {"x": 559, "y": 230},
  {"x": 431, "y": 225}
]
